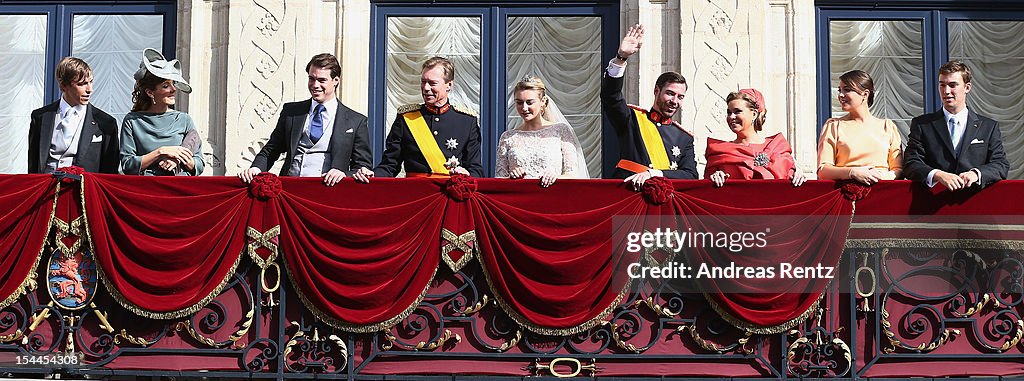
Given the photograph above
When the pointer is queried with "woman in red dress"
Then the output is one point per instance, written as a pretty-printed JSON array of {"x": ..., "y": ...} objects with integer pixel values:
[{"x": 750, "y": 155}]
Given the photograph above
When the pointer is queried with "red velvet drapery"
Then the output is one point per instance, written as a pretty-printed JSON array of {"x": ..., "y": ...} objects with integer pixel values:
[
  {"x": 361, "y": 256},
  {"x": 26, "y": 205}
]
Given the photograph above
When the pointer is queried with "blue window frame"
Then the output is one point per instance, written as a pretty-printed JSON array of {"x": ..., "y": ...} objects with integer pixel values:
[
  {"x": 493, "y": 16},
  {"x": 60, "y": 16},
  {"x": 35, "y": 35},
  {"x": 935, "y": 17}
]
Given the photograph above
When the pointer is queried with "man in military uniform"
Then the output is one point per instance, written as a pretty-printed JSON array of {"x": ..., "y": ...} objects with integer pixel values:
[
  {"x": 650, "y": 142},
  {"x": 432, "y": 139}
]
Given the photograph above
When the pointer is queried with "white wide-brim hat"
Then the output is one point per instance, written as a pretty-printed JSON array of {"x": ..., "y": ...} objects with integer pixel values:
[{"x": 155, "y": 63}]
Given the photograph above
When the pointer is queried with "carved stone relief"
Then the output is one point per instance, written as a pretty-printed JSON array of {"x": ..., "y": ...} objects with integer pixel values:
[{"x": 265, "y": 62}]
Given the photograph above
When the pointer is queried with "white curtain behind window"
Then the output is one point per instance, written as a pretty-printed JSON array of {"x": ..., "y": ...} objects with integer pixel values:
[
  {"x": 892, "y": 53},
  {"x": 994, "y": 50},
  {"x": 23, "y": 64},
  {"x": 564, "y": 52},
  {"x": 112, "y": 45},
  {"x": 412, "y": 40}
]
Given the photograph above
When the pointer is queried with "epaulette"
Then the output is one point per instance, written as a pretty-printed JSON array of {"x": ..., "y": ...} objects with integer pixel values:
[
  {"x": 683, "y": 129},
  {"x": 408, "y": 108},
  {"x": 680, "y": 126},
  {"x": 464, "y": 110},
  {"x": 638, "y": 108}
]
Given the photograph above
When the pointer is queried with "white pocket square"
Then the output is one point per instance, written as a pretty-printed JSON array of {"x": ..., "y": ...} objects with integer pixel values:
[
  {"x": 97, "y": 138},
  {"x": 349, "y": 131},
  {"x": 977, "y": 141}
]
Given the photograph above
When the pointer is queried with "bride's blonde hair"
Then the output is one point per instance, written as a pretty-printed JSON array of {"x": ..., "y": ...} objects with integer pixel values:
[{"x": 533, "y": 83}]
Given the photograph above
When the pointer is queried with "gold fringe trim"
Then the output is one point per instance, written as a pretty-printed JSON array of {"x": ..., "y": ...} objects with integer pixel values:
[
  {"x": 262, "y": 240},
  {"x": 408, "y": 107},
  {"x": 355, "y": 328},
  {"x": 600, "y": 319},
  {"x": 458, "y": 242},
  {"x": 29, "y": 282},
  {"x": 465, "y": 110},
  {"x": 771, "y": 330},
  {"x": 931, "y": 243},
  {"x": 177, "y": 314},
  {"x": 758, "y": 329},
  {"x": 123, "y": 335},
  {"x": 136, "y": 309}
]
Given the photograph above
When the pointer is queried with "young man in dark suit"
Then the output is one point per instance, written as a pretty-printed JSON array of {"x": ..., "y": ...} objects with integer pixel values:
[
  {"x": 320, "y": 136},
  {"x": 955, "y": 146},
  {"x": 71, "y": 131}
]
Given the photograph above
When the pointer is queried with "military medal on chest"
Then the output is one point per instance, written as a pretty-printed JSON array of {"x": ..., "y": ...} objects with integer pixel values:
[{"x": 451, "y": 144}]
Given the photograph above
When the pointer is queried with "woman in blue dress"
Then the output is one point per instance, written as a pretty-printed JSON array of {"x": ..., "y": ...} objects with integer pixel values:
[{"x": 156, "y": 139}]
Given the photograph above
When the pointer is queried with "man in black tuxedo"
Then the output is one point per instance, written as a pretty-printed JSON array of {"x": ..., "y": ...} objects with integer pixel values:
[
  {"x": 321, "y": 136},
  {"x": 955, "y": 146},
  {"x": 666, "y": 149},
  {"x": 71, "y": 131}
]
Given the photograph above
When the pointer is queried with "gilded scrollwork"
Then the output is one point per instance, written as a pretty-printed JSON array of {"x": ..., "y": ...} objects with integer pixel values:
[
  {"x": 980, "y": 303},
  {"x": 314, "y": 352},
  {"x": 393, "y": 342},
  {"x": 821, "y": 354}
]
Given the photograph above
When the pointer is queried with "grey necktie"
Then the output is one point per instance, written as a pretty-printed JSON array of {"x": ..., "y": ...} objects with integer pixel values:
[
  {"x": 66, "y": 131},
  {"x": 952, "y": 133}
]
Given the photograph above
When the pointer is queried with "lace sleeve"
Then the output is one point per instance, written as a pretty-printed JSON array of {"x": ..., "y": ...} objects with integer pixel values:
[
  {"x": 501, "y": 170},
  {"x": 570, "y": 161}
]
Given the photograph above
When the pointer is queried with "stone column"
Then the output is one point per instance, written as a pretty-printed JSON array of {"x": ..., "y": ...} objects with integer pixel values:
[
  {"x": 354, "y": 40},
  {"x": 728, "y": 45},
  {"x": 246, "y": 58}
]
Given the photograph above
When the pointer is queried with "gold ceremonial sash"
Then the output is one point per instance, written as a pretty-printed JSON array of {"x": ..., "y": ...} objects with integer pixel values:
[
  {"x": 652, "y": 141},
  {"x": 424, "y": 140}
]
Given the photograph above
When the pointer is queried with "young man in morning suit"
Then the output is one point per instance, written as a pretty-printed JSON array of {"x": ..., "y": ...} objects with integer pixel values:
[
  {"x": 432, "y": 139},
  {"x": 71, "y": 131},
  {"x": 320, "y": 136},
  {"x": 955, "y": 146},
  {"x": 650, "y": 143}
]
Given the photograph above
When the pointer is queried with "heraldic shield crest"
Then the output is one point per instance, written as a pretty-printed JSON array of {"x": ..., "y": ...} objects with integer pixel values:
[{"x": 71, "y": 269}]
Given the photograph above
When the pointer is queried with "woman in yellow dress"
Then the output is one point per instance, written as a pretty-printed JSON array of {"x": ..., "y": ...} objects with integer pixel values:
[{"x": 859, "y": 146}]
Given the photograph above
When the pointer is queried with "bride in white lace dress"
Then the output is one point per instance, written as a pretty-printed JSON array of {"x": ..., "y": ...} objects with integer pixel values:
[{"x": 544, "y": 147}]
